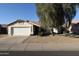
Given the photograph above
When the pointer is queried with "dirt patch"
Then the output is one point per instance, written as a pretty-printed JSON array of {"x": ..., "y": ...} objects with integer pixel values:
[
  {"x": 53, "y": 39},
  {"x": 2, "y": 35}
]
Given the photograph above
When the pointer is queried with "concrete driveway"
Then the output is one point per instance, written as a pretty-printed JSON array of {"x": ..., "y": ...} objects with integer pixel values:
[{"x": 8, "y": 42}]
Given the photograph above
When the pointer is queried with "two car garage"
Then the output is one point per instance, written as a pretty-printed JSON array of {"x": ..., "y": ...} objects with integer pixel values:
[
  {"x": 21, "y": 31},
  {"x": 22, "y": 28}
]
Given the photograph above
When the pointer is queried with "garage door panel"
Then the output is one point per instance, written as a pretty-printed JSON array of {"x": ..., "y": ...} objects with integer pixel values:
[{"x": 21, "y": 31}]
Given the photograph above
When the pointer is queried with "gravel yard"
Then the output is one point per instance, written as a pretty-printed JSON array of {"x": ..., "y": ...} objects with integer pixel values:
[
  {"x": 2, "y": 35},
  {"x": 53, "y": 39},
  {"x": 52, "y": 43},
  {"x": 38, "y": 43}
]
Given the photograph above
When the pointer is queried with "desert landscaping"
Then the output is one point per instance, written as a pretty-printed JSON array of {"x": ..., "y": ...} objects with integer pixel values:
[{"x": 38, "y": 43}]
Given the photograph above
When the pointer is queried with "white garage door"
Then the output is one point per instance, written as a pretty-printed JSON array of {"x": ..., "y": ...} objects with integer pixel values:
[{"x": 21, "y": 31}]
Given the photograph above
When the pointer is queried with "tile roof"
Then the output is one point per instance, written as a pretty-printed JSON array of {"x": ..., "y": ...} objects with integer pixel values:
[{"x": 31, "y": 22}]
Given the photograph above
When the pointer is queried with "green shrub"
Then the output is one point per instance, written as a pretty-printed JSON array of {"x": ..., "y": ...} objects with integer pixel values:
[{"x": 41, "y": 33}]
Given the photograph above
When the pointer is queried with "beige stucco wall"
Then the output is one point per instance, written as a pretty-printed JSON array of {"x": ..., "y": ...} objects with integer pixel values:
[{"x": 21, "y": 25}]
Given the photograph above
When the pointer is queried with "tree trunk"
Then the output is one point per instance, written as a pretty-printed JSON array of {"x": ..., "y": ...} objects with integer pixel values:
[{"x": 53, "y": 32}]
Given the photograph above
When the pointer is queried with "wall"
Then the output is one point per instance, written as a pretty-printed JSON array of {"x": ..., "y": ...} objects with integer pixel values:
[{"x": 22, "y": 24}]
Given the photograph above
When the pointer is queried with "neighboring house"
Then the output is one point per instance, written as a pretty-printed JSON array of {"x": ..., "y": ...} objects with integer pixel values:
[
  {"x": 3, "y": 28},
  {"x": 23, "y": 28},
  {"x": 74, "y": 28}
]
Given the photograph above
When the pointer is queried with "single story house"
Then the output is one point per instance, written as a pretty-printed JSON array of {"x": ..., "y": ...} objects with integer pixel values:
[
  {"x": 74, "y": 27},
  {"x": 23, "y": 28}
]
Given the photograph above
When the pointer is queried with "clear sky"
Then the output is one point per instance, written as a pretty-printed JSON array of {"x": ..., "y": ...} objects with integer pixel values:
[
  {"x": 12, "y": 12},
  {"x": 77, "y": 14}
]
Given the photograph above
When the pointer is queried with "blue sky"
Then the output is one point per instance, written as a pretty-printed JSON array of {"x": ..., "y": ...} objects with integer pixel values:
[
  {"x": 77, "y": 14},
  {"x": 12, "y": 12}
]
